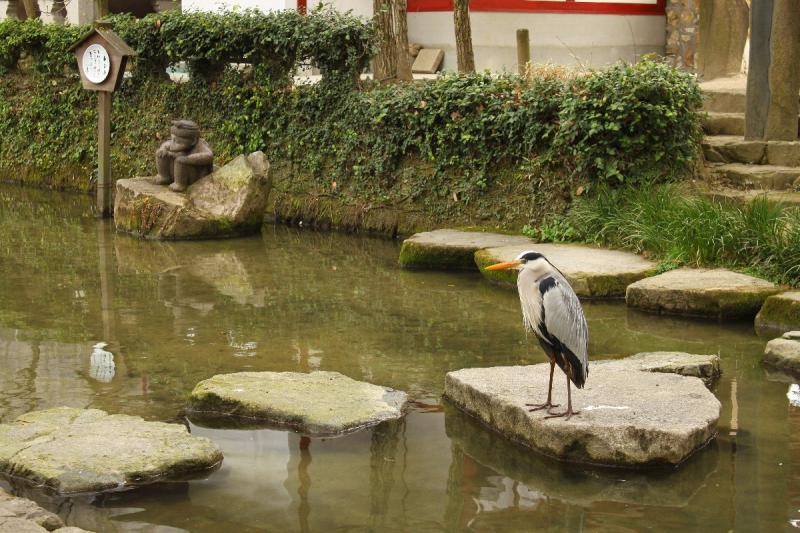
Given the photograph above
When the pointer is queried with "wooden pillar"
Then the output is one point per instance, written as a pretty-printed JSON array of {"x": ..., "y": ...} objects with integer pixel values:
[
  {"x": 104, "y": 182},
  {"x": 773, "y": 80},
  {"x": 523, "y": 51}
]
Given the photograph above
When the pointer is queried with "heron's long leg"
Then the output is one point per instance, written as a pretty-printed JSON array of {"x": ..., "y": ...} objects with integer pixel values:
[
  {"x": 549, "y": 402},
  {"x": 569, "y": 412}
]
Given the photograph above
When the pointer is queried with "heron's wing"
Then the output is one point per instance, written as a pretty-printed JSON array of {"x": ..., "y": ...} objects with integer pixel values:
[{"x": 564, "y": 319}]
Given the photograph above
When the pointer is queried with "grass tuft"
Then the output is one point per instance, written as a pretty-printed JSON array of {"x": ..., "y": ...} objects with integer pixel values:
[{"x": 678, "y": 228}]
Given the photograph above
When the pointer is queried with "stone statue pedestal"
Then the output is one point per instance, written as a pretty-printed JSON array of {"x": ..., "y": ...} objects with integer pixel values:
[{"x": 229, "y": 202}]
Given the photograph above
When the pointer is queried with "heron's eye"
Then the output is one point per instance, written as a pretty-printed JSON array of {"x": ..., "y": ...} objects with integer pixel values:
[{"x": 523, "y": 260}]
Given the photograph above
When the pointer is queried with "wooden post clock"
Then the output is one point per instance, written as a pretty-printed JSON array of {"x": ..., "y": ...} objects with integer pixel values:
[{"x": 102, "y": 56}]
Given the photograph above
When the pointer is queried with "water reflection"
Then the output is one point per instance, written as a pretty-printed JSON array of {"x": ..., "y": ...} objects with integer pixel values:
[{"x": 176, "y": 313}]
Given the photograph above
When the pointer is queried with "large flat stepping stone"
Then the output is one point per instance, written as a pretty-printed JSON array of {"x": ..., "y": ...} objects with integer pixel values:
[
  {"x": 229, "y": 202},
  {"x": 73, "y": 451},
  {"x": 592, "y": 272},
  {"x": 784, "y": 353},
  {"x": 448, "y": 249},
  {"x": 318, "y": 403},
  {"x": 20, "y": 515},
  {"x": 628, "y": 417},
  {"x": 780, "y": 313},
  {"x": 717, "y": 293}
]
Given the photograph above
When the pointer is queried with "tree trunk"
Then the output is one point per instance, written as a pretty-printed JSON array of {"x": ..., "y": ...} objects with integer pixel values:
[
  {"x": 385, "y": 63},
  {"x": 400, "y": 8},
  {"x": 466, "y": 58},
  {"x": 31, "y": 9},
  {"x": 101, "y": 8}
]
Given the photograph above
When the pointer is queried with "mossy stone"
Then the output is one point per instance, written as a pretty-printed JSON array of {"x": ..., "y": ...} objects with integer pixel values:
[
  {"x": 448, "y": 249},
  {"x": 780, "y": 313}
]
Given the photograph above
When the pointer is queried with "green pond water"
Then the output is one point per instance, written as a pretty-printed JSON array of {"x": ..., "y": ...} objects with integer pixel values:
[{"x": 173, "y": 314}]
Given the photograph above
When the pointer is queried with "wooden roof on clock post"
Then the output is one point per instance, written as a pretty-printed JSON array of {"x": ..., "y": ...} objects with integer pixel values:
[{"x": 118, "y": 53}]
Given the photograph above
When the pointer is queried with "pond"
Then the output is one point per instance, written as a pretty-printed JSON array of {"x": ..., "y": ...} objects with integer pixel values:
[{"x": 173, "y": 314}]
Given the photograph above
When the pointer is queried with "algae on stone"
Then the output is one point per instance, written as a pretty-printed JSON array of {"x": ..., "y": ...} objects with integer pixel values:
[
  {"x": 448, "y": 249},
  {"x": 318, "y": 403},
  {"x": 780, "y": 313},
  {"x": 716, "y": 293},
  {"x": 73, "y": 450}
]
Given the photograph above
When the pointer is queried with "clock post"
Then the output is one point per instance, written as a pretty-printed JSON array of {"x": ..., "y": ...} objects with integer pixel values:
[{"x": 102, "y": 56}]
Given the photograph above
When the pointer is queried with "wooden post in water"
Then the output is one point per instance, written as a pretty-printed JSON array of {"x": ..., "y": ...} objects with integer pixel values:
[
  {"x": 104, "y": 154},
  {"x": 523, "y": 51}
]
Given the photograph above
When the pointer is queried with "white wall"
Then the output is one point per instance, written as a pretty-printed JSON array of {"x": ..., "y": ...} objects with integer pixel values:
[{"x": 216, "y": 5}]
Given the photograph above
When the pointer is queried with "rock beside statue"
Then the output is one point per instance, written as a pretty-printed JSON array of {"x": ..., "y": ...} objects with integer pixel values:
[{"x": 229, "y": 202}]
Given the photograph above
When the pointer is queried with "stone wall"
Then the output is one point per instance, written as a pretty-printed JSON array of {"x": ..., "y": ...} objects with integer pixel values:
[{"x": 683, "y": 33}]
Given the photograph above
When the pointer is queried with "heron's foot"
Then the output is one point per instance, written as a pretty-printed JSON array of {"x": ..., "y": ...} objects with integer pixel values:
[
  {"x": 540, "y": 406},
  {"x": 569, "y": 413}
]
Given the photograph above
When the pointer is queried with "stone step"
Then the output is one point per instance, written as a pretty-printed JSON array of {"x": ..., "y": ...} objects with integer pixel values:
[
  {"x": 735, "y": 149},
  {"x": 786, "y": 198},
  {"x": 725, "y": 95},
  {"x": 784, "y": 353},
  {"x": 764, "y": 177},
  {"x": 714, "y": 293},
  {"x": 716, "y": 123},
  {"x": 725, "y": 101}
]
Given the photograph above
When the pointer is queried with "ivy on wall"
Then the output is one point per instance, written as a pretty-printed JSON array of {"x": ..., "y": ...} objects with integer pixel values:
[{"x": 479, "y": 145}]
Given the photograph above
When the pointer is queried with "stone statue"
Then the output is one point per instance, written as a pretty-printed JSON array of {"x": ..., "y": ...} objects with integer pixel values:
[{"x": 185, "y": 158}]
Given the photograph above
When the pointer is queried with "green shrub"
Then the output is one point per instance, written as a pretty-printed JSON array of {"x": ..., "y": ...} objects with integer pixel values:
[
  {"x": 631, "y": 122},
  {"x": 680, "y": 228}
]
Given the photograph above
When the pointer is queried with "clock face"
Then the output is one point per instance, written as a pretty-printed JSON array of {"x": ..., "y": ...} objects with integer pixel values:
[{"x": 96, "y": 63}]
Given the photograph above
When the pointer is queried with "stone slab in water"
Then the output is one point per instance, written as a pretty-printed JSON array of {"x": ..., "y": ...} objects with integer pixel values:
[
  {"x": 317, "y": 403},
  {"x": 592, "y": 272},
  {"x": 228, "y": 202},
  {"x": 784, "y": 353},
  {"x": 72, "y": 450},
  {"x": 448, "y": 249},
  {"x": 780, "y": 313},
  {"x": 715, "y": 293},
  {"x": 628, "y": 417},
  {"x": 706, "y": 367},
  {"x": 20, "y": 515}
]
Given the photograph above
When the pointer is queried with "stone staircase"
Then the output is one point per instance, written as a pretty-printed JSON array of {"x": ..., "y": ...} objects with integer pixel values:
[{"x": 739, "y": 168}]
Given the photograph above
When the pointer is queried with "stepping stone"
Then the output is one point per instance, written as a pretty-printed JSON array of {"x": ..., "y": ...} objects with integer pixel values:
[
  {"x": 780, "y": 313},
  {"x": 448, "y": 249},
  {"x": 229, "y": 202},
  {"x": 318, "y": 403},
  {"x": 717, "y": 293},
  {"x": 592, "y": 272},
  {"x": 575, "y": 486},
  {"x": 784, "y": 353},
  {"x": 628, "y": 417},
  {"x": 20, "y": 515},
  {"x": 73, "y": 451},
  {"x": 705, "y": 367}
]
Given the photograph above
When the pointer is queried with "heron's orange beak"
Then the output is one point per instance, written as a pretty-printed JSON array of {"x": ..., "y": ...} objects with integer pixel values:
[{"x": 504, "y": 266}]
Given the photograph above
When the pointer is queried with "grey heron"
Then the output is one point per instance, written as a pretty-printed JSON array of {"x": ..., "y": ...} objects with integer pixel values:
[{"x": 552, "y": 311}]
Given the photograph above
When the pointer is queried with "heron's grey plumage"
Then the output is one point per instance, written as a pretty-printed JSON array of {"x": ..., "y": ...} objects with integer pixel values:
[{"x": 552, "y": 311}]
